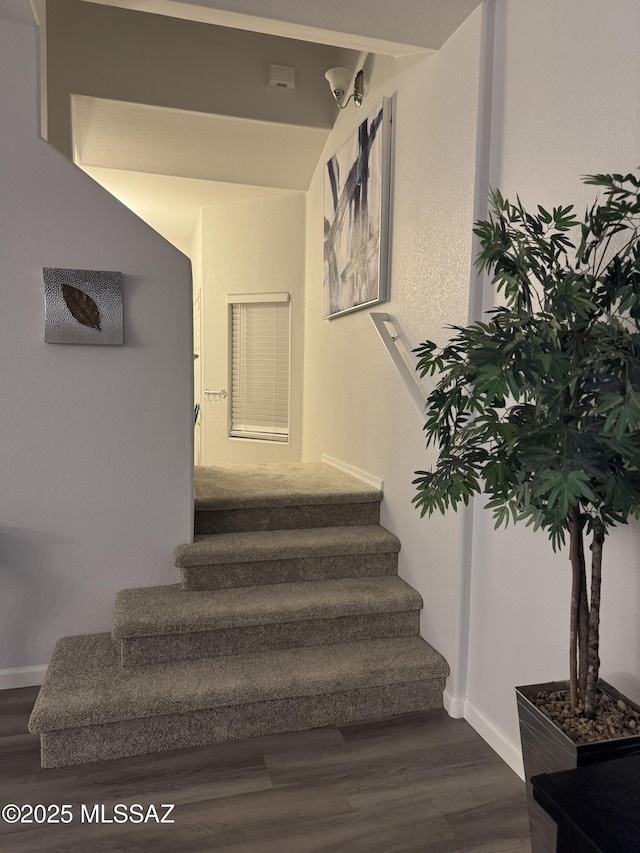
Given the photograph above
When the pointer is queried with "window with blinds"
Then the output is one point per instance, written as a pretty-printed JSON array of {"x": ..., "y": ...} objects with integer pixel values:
[{"x": 260, "y": 344}]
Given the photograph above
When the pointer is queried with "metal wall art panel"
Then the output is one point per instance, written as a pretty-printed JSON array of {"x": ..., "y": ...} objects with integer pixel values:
[{"x": 83, "y": 307}]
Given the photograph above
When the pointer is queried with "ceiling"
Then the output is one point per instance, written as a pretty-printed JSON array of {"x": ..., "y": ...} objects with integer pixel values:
[
  {"x": 171, "y": 205},
  {"x": 188, "y": 144},
  {"x": 171, "y": 115},
  {"x": 373, "y": 26},
  {"x": 166, "y": 163}
]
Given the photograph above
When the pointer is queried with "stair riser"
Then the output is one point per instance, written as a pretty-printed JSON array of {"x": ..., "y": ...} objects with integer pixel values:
[
  {"x": 286, "y": 517},
  {"x": 258, "y": 573},
  {"x": 142, "y": 651},
  {"x": 67, "y": 747}
]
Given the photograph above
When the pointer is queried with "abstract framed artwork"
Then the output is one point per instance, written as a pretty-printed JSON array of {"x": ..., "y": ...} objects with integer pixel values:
[
  {"x": 83, "y": 307},
  {"x": 356, "y": 217}
]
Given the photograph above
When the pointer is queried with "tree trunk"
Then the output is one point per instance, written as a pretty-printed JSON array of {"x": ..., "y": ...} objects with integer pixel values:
[
  {"x": 583, "y": 619},
  {"x": 575, "y": 539},
  {"x": 594, "y": 619}
]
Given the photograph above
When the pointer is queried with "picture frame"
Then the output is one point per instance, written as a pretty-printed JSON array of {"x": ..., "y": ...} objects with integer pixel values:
[{"x": 356, "y": 217}]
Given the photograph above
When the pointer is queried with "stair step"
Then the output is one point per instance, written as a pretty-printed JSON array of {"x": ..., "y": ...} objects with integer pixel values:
[
  {"x": 219, "y": 561},
  {"x": 165, "y": 623},
  {"x": 170, "y": 610},
  {"x": 91, "y": 708},
  {"x": 285, "y": 517},
  {"x": 163, "y": 648},
  {"x": 274, "y": 484},
  {"x": 278, "y": 497}
]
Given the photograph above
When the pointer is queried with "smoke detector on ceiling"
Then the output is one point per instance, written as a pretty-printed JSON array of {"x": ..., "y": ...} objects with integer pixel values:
[{"x": 281, "y": 76}]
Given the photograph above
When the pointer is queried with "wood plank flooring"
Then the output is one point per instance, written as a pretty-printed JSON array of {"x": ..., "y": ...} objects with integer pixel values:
[{"x": 421, "y": 783}]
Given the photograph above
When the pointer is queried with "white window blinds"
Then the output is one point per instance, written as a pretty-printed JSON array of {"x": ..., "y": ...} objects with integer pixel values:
[{"x": 260, "y": 330}]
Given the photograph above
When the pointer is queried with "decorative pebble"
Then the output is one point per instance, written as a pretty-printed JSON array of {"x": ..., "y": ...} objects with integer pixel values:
[{"x": 613, "y": 718}]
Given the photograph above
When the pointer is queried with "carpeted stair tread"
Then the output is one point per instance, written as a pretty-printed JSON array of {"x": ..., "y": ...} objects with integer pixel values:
[
  {"x": 252, "y": 546},
  {"x": 85, "y": 684},
  {"x": 273, "y": 484},
  {"x": 80, "y": 745},
  {"x": 152, "y": 649},
  {"x": 156, "y": 610}
]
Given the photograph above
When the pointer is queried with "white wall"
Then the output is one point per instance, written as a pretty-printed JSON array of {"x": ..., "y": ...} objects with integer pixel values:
[
  {"x": 254, "y": 246},
  {"x": 566, "y": 103},
  {"x": 356, "y": 407},
  {"x": 96, "y": 449}
]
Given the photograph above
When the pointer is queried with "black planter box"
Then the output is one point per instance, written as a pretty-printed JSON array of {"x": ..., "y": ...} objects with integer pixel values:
[{"x": 546, "y": 749}]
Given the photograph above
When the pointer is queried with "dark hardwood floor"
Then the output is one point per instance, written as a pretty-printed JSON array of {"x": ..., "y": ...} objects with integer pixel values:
[{"x": 421, "y": 783}]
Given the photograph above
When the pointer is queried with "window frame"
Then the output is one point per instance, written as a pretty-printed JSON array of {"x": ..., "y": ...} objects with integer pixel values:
[{"x": 274, "y": 298}]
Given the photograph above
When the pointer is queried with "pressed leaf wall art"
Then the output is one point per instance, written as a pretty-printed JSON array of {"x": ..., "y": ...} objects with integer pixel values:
[{"x": 83, "y": 306}]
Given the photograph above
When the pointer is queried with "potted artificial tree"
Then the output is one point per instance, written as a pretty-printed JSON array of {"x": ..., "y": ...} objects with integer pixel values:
[{"x": 538, "y": 407}]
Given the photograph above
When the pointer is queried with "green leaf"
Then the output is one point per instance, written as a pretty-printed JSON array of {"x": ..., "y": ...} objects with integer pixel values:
[{"x": 538, "y": 406}]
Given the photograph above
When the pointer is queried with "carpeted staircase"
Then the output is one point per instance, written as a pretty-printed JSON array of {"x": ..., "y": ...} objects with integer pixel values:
[{"x": 289, "y": 615}]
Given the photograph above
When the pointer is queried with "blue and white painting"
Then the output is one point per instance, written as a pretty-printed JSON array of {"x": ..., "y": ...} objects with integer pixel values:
[{"x": 355, "y": 218}]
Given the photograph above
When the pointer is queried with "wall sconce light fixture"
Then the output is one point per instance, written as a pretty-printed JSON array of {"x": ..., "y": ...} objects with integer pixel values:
[{"x": 339, "y": 79}]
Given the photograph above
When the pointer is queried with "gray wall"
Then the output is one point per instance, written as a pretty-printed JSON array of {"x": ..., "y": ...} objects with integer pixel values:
[{"x": 96, "y": 449}]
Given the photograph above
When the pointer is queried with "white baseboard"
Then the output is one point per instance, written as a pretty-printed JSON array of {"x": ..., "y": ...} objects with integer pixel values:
[
  {"x": 25, "y": 676},
  {"x": 453, "y": 705},
  {"x": 507, "y": 749},
  {"x": 370, "y": 479}
]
